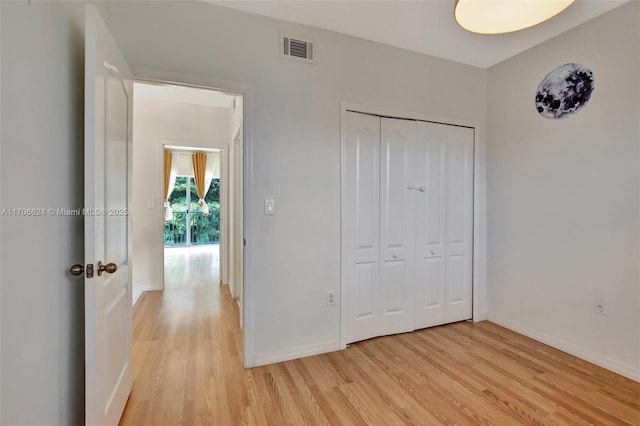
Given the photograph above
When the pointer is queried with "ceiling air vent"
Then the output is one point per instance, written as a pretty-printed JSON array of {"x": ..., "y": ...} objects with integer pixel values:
[{"x": 296, "y": 48}]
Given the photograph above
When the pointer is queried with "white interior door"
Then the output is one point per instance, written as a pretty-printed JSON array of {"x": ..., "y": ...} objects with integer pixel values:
[
  {"x": 459, "y": 242},
  {"x": 376, "y": 227},
  {"x": 444, "y": 224},
  {"x": 395, "y": 295},
  {"x": 361, "y": 226},
  {"x": 431, "y": 219},
  {"x": 108, "y": 111}
]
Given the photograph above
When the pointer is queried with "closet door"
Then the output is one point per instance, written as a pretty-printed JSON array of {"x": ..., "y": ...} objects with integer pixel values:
[
  {"x": 397, "y": 275},
  {"x": 444, "y": 225},
  {"x": 431, "y": 220},
  {"x": 361, "y": 225},
  {"x": 407, "y": 225},
  {"x": 459, "y": 242}
]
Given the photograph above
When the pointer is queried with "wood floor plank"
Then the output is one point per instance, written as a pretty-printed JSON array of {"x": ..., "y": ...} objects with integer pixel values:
[
  {"x": 188, "y": 371},
  {"x": 302, "y": 394}
]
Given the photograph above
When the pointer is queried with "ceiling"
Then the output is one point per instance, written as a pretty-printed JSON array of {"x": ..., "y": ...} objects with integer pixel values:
[
  {"x": 183, "y": 94},
  {"x": 425, "y": 26}
]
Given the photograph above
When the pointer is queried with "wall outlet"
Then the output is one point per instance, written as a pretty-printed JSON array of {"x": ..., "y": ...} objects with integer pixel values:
[
  {"x": 599, "y": 307},
  {"x": 331, "y": 297}
]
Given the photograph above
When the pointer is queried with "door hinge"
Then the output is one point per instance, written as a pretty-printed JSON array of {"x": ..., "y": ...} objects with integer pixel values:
[{"x": 244, "y": 242}]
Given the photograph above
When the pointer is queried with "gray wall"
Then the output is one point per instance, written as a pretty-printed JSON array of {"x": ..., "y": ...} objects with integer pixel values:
[
  {"x": 41, "y": 166},
  {"x": 563, "y": 197},
  {"x": 296, "y": 124}
]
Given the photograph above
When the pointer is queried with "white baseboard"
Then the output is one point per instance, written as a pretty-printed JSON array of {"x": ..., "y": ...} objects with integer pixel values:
[
  {"x": 294, "y": 353},
  {"x": 628, "y": 371},
  {"x": 138, "y": 290},
  {"x": 482, "y": 316}
]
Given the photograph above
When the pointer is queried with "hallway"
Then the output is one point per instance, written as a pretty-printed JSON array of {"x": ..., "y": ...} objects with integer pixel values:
[{"x": 185, "y": 338}]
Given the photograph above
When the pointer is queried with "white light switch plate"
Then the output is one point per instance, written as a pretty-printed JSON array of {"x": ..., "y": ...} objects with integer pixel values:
[
  {"x": 269, "y": 206},
  {"x": 151, "y": 204}
]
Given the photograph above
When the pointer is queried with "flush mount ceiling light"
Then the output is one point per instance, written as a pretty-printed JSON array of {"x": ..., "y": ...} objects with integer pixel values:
[{"x": 505, "y": 16}]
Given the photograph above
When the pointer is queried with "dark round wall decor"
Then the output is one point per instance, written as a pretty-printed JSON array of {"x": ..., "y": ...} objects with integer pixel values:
[{"x": 564, "y": 91}]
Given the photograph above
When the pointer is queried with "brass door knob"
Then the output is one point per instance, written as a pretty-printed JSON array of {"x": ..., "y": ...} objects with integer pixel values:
[
  {"x": 76, "y": 269},
  {"x": 109, "y": 268}
]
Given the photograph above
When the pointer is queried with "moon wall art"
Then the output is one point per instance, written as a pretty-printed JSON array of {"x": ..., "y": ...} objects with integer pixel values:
[{"x": 564, "y": 91}]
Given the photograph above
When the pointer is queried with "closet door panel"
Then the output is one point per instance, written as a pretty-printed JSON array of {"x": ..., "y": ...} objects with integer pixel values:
[
  {"x": 397, "y": 139},
  {"x": 365, "y": 279},
  {"x": 360, "y": 226},
  {"x": 459, "y": 245},
  {"x": 430, "y": 224}
]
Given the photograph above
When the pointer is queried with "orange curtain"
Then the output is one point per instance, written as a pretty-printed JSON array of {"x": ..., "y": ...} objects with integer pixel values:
[{"x": 199, "y": 170}]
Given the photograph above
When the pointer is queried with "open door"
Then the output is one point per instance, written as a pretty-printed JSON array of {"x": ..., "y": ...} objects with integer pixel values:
[{"x": 108, "y": 338}]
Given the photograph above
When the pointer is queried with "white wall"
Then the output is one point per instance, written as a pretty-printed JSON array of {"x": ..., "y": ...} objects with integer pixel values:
[
  {"x": 42, "y": 155},
  {"x": 158, "y": 122},
  {"x": 563, "y": 197},
  {"x": 296, "y": 140}
]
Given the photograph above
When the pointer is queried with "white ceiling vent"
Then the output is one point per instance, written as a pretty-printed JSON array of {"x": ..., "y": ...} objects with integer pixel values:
[{"x": 296, "y": 48}]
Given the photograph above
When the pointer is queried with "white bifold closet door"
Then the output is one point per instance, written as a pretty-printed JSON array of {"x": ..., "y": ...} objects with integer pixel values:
[
  {"x": 444, "y": 224},
  {"x": 407, "y": 225},
  {"x": 377, "y": 250}
]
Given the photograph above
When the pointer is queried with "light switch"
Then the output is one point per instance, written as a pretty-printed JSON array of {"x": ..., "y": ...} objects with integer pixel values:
[
  {"x": 269, "y": 206},
  {"x": 151, "y": 204}
]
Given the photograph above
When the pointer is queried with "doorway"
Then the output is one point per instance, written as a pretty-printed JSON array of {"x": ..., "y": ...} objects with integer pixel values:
[
  {"x": 192, "y": 216},
  {"x": 184, "y": 121}
]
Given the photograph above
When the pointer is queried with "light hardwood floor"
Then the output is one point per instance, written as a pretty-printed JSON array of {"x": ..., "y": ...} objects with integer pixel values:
[{"x": 188, "y": 370}]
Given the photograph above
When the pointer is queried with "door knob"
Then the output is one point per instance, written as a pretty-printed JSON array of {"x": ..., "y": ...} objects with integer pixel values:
[
  {"x": 433, "y": 252},
  {"x": 395, "y": 256},
  {"x": 79, "y": 269},
  {"x": 109, "y": 268},
  {"x": 76, "y": 269}
]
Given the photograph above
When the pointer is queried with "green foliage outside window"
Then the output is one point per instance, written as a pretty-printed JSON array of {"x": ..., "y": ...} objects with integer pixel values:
[{"x": 204, "y": 229}]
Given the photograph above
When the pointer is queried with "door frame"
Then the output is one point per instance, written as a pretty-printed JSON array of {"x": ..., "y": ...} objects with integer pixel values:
[
  {"x": 478, "y": 280},
  {"x": 153, "y": 76}
]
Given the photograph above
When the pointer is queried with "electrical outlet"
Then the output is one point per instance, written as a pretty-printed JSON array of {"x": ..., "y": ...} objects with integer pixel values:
[
  {"x": 331, "y": 297},
  {"x": 599, "y": 307}
]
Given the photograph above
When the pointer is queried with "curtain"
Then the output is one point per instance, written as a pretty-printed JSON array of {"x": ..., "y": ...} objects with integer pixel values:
[
  {"x": 206, "y": 167},
  {"x": 183, "y": 163},
  {"x": 169, "y": 183},
  {"x": 212, "y": 171},
  {"x": 200, "y": 176}
]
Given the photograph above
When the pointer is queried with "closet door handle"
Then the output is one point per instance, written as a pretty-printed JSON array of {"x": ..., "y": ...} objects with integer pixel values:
[{"x": 416, "y": 188}]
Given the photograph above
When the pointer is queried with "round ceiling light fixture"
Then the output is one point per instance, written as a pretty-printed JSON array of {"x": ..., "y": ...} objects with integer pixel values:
[{"x": 505, "y": 16}]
